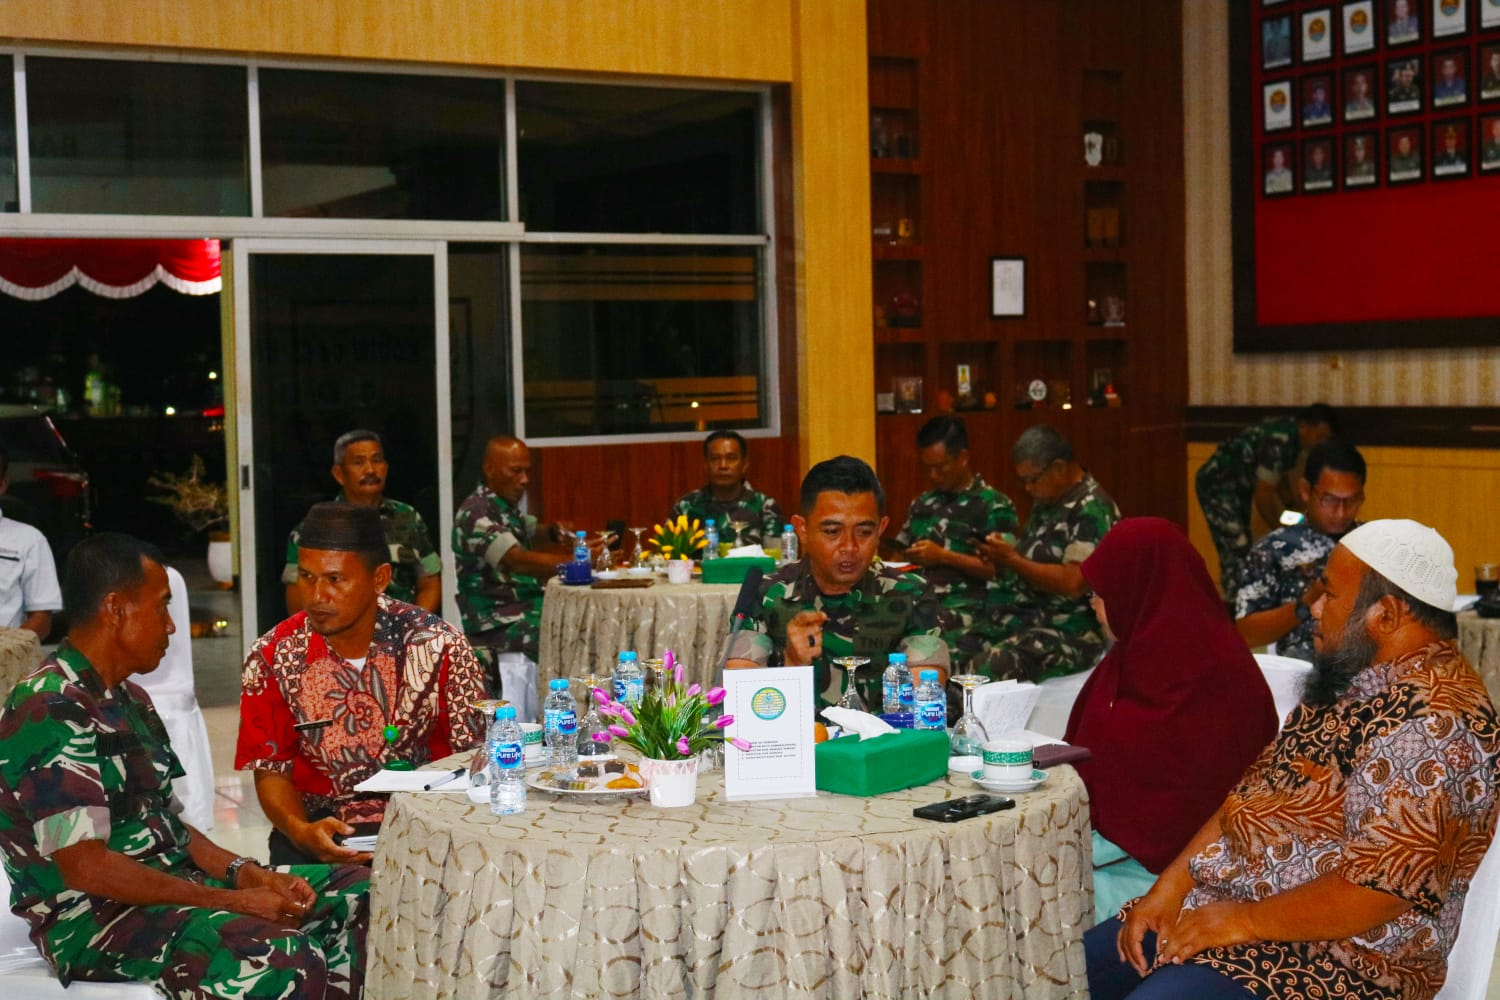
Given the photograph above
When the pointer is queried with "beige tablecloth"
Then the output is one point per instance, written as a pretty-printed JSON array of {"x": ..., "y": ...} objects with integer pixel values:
[
  {"x": 834, "y": 896},
  {"x": 1479, "y": 641},
  {"x": 20, "y": 652},
  {"x": 584, "y": 628}
]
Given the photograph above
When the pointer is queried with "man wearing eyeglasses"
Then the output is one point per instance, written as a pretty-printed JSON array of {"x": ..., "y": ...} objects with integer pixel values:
[
  {"x": 1040, "y": 623},
  {"x": 1280, "y": 576}
]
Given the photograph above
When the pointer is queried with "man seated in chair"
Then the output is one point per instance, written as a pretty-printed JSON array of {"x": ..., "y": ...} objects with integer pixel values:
[
  {"x": 835, "y": 601},
  {"x": 744, "y": 515},
  {"x": 1340, "y": 863},
  {"x": 114, "y": 885},
  {"x": 354, "y": 682}
]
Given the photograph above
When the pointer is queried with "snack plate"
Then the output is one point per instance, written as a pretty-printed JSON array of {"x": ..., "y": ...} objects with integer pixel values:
[
  {"x": 589, "y": 778},
  {"x": 1037, "y": 777}
]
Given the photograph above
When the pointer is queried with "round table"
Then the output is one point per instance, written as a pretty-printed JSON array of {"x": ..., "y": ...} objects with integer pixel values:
[
  {"x": 20, "y": 652},
  {"x": 584, "y": 628},
  {"x": 832, "y": 896},
  {"x": 1479, "y": 641}
]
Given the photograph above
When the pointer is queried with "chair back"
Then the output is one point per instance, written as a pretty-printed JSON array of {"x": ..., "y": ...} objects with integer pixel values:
[
  {"x": 1473, "y": 952},
  {"x": 1285, "y": 676}
]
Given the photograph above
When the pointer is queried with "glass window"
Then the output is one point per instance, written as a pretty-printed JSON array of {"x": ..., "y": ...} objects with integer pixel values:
[
  {"x": 372, "y": 146},
  {"x": 601, "y": 159},
  {"x": 641, "y": 339},
  {"x": 479, "y": 354},
  {"x": 9, "y": 199},
  {"x": 141, "y": 138}
]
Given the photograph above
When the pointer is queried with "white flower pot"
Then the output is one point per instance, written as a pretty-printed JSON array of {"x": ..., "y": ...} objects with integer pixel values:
[
  {"x": 672, "y": 783},
  {"x": 221, "y": 560}
]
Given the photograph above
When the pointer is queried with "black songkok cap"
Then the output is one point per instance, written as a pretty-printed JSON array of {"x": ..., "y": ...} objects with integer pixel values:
[{"x": 342, "y": 527}]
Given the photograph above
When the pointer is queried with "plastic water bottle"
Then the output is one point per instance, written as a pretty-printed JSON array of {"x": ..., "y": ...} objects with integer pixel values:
[
  {"x": 788, "y": 545},
  {"x": 507, "y": 767},
  {"x": 710, "y": 539},
  {"x": 932, "y": 704},
  {"x": 895, "y": 685},
  {"x": 560, "y": 724},
  {"x": 629, "y": 682},
  {"x": 581, "y": 548}
]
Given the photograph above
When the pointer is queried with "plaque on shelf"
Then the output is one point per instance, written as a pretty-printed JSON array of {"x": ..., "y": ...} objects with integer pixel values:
[
  {"x": 1114, "y": 310},
  {"x": 1093, "y": 148},
  {"x": 965, "y": 383},
  {"x": 1036, "y": 390},
  {"x": 908, "y": 393},
  {"x": 885, "y": 402}
]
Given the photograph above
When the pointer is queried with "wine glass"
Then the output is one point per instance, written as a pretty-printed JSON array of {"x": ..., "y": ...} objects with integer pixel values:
[
  {"x": 591, "y": 726},
  {"x": 968, "y": 738},
  {"x": 601, "y": 563},
  {"x": 652, "y": 672},
  {"x": 851, "y": 697},
  {"x": 638, "y": 554},
  {"x": 737, "y": 532}
]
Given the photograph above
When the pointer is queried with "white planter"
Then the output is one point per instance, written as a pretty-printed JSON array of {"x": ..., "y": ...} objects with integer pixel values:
[
  {"x": 221, "y": 561},
  {"x": 672, "y": 783}
]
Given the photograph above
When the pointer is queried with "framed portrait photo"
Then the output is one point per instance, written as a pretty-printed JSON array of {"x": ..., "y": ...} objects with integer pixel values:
[
  {"x": 1278, "y": 170},
  {"x": 1358, "y": 90},
  {"x": 1450, "y": 149},
  {"x": 1403, "y": 85},
  {"x": 1489, "y": 13},
  {"x": 1403, "y": 154},
  {"x": 1361, "y": 160},
  {"x": 1359, "y": 26},
  {"x": 1403, "y": 22},
  {"x": 1317, "y": 100},
  {"x": 1318, "y": 165},
  {"x": 1489, "y": 72},
  {"x": 1489, "y": 143},
  {"x": 1276, "y": 105},
  {"x": 1007, "y": 287},
  {"x": 1276, "y": 42},
  {"x": 1450, "y": 78},
  {"x": 1449, "y": 17},
  {"x": 1317, "y": 34}
]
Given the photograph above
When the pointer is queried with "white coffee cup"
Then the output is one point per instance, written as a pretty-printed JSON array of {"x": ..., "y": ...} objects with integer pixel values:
[
  {"x": 531, "y": 740},
  {"x": 679, "y": 571},
  {"x": 1007, "y": 760}
]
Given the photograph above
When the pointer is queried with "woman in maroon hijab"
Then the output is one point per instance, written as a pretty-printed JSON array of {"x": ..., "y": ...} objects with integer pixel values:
[{"x": 1175, "y": 711}]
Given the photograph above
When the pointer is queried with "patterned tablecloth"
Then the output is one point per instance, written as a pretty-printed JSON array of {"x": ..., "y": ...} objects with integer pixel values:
[
  {"x": 20, "y": 652},
  {"x": 1479, "y": 641},
  {"x": 585, "y": 628},
  {"x": 834, "y": 896}
]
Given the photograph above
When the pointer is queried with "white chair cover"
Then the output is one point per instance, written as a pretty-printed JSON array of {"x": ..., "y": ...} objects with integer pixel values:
[
  {"x": 1473, "y": 954},
  {"x": 1285, "y": 676},
  {"x": 518, "y": 680},
  {"x": 173, "y": 692}
]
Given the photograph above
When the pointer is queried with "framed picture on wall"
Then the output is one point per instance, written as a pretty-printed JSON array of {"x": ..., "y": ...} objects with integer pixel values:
[
  {"x": 1007, "y": 287},
  {"x": 1450, "y": 78},
  {"x": 1361, "y": 160},
  {"x": 1403, "y": 22},
  {"x": 1489, "y": 72},
  {"x": 1489, "y": 13},
  {"x": 1450, "y": 149},
  {"x": 1403, "y": 155},
  {"x": 1403, "y": 85},
  {"x": 1276, "y": 105},
  {"x": 1317, "y": 34},
  {"x": 1317, "y": 107},
  {"x": 1359, "y": 26},
  {"x": 1359, "y": 92},
  {"x": 1489, "y": 143},
  {"x": 1318, "y": 166},
  {"x": 1279, "y": 177},
  {"x": 1276, "y": 42},
  {"x": 1449, "y": 17}
]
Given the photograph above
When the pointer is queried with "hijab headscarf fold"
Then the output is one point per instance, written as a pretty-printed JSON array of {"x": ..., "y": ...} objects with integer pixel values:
[{"x": 1178, "y": 708}]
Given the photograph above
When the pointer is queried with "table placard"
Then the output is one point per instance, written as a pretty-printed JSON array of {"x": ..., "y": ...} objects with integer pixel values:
[{"x": 773, "y": 712}]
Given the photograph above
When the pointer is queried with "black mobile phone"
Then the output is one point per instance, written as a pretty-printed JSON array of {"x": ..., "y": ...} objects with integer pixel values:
[{"x": 953, "y": 810}]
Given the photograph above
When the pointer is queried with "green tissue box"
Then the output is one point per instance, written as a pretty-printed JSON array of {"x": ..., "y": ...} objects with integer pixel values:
[
  {"x": 734, "y": 570},
  {"x": 887, "y": 763}
]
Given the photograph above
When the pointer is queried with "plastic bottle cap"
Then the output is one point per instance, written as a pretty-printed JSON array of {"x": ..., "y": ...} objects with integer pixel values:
[
  {"x": 505, "y": 713},
  {"x": 787, "y": 527},
  {"x": 929, "y": 675},
  {"x": 557, "y": 684},
  {"x": 895, "y": 658},
  {"x": 627, "y": 654}
]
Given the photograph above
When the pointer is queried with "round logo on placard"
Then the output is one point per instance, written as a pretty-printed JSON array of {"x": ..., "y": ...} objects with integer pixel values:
[
  {"x": 768, "y": 704},
  {"x": 1448, "y": 7},
  {"x": 1278, "y": 100},
  {"x": 1359, "y": 22},
  {"x": 1316, "y": 29}
]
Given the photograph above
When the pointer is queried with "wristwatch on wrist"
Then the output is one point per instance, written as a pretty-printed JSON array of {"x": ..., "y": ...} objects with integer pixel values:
[
  {"x": 1303, "y": 611},
  {"x": 232, "y": 873}
]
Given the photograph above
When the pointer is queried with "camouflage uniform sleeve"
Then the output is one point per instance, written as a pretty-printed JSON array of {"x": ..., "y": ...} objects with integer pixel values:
[
  {"x": 1088, "y": 527},
  {"x": 488, "y": 539},
  {"x": 427, "y": 555},
  {"x": 1274, "y": 454},
  {"x": 463, "y": 686},
  {"x": 55, "y": 758},
  {"x": 903, "y": 537},
  {"x": 289, "y": 571},
  {"x": 267, "y": 741},
  {"x": 753, "y": 646},
  {"x": 772, "y": 522},
  {"x": 684, "y": 505},
  {"x": 1002, "y": 517}
]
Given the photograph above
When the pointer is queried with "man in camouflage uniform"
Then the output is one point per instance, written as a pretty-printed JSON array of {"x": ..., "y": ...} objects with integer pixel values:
[
  {"x": 834, "y": 601},
  {"x": 1281, "y": 580},
  {"x": 114, "y": 885},
  {"x": 944, "y": 528},
  {"x": 360, "y": 468},
  {"x": 503, "y": 559},
  {"x": 1246, "y": 470},
  {"x": 744, "y": 515},
  {"x": 1039, "y": 623}
]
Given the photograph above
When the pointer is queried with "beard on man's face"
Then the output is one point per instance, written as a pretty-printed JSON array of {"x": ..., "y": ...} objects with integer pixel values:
[{"x": 1341, "y": 658}]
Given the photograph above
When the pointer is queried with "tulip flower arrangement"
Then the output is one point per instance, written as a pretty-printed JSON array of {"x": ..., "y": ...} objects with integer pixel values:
[
  {"x": 679, "y": 538},
  {"x": 668, "y": 724}
]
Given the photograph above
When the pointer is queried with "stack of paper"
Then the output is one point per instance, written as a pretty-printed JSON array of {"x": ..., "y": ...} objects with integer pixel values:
[
  {"x": 1004, "y": 706},
  {"x": 412, "y": 781}
]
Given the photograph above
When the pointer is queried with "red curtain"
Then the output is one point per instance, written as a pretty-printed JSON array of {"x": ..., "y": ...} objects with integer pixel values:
[{"x": 116, "y": 269}]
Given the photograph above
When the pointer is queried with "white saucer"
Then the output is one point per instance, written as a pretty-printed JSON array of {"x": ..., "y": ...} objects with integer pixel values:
[
  {"x": 638, "y": 571},
  {"x": 966, "y": 764},
  {"x": 1025, "y": 785},
  {"x": 607, "y": 574}
]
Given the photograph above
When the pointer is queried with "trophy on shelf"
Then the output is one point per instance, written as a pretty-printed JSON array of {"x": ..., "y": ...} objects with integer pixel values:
[{"x": 1114, "y": 310}]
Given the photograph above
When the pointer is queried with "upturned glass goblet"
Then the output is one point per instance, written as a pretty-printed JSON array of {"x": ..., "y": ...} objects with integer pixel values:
[
  {"x": 968, "y": 737},
  {"x": 638, "y": 555},
  {"x": 593, "y": 734},
  {"x": 851, "y": 697}
]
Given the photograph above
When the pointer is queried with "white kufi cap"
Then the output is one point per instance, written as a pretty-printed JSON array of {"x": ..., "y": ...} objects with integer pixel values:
[{"x": 1412, "y": 556}]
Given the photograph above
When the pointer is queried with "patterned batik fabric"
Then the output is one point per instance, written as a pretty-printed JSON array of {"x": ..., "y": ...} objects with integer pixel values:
[
  {"x": 1280, "y": 568},
  {"x": 87, "y": 762},
  {"x": 500, "y": 610},
  {"x": 885, "y": 612},
  {"x": 412, "y": 553},
  {"x": 1031, "y": 634},
  {"x": 1225, "y": 485},
  {"x": 419, "y": 676},
  {"x": 1392, "y": 787},
  {"x": 752, "y": 518}
]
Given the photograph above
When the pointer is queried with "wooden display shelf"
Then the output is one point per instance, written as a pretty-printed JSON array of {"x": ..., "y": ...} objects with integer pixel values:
[
  {"x": 894, "y": 165},
  {"x": 900, "y": 335},
  {"x": 897, "y": 251}
]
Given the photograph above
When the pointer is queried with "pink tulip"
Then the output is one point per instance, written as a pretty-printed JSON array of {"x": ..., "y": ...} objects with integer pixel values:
[
  {"x": 677, "y": 675},
  {"x": 682, "y": 746},
  {"x": 716, "y": 695},
  {"x": 600, "y": 698},
  {"x": 724, "y": 721},
  {"x": 626, "y": 715},
  {"x": 618, "y": 730},
  {"x": 672, "y": 700},
  {"x": 601, "y": 737},
  {"x": 696, "y": 688},
  {"x": 740, "y": 744},
  {"x": 668, "y": 661}
]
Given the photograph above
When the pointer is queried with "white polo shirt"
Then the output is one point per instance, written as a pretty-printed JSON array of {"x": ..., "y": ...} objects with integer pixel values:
[{"x": 28, "y": 577}]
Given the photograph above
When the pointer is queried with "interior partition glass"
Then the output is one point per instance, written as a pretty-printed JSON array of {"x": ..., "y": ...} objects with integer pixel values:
[
  {"x": 9, "y": 198},
  {"x": 641, "y": 339},
  {"x": 381, "y": 146},
  {"x": 139, "y": 138},
  {"x": 609, "y": 159},
  {"x": 479, "y": 349}
]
